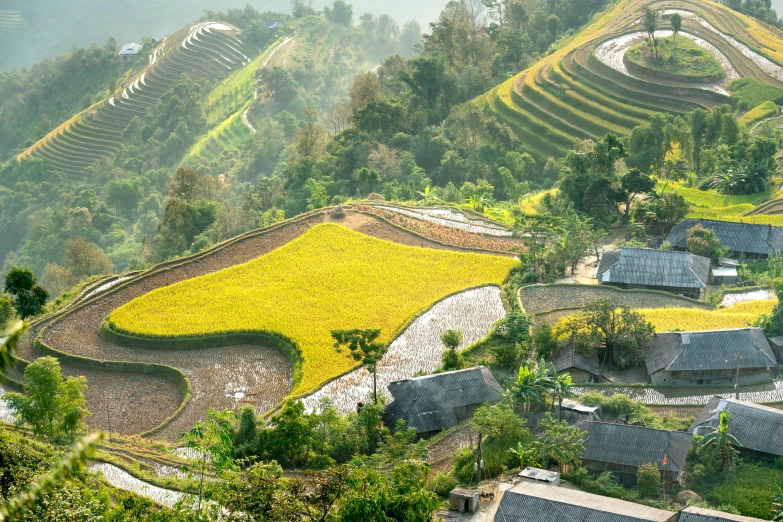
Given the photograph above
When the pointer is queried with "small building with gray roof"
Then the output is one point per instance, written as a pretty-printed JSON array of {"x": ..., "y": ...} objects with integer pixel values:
[
  {"x": 645, "y": 268},
  {"x": 696, "y": 514},
  {"x": 527, "y": 502},
  {"x": 758, "y": 428},
  {"x": 623, "y": 449},
  {"x": 438, "y": 402},
  {"x": 580, "y": 367},
  {"x": 746, "y": 239},
  {"x": 710, "y": 357}
]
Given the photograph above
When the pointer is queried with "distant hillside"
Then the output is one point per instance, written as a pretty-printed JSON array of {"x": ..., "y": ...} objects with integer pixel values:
[
  {"x": 586, "y": 89},
  {"x": 33, "y": 30}
]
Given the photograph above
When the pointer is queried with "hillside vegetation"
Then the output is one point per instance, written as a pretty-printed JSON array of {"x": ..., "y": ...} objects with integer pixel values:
[{"x": 584, "y": 90}]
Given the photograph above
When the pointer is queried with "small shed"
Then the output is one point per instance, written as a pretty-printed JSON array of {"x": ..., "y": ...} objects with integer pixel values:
[
  {"x": 130, "y": 51},
  {"x": 576, "y": 411},
  {"x": 464, "y": 500},
  {"x": 725, "y": 275},
  {"x": 776, "y": 343},
  {"x": 539, "y": 476}
]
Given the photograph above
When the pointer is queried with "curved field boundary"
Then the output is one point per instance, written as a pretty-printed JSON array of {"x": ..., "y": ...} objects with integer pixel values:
[
  {"x": 769, "y": 393},
  {"x": 418, "y": 346},
  {"x": 51, "y": 336}
]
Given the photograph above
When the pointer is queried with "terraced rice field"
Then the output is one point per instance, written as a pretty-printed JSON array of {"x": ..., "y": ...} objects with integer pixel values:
[
  {"x": 584, "y": 89},
  {"x": 687, "y": 395},
  {"x": 207, "y": 49},
  {"x": 736, "y": 316},
  {"x": 357, "y": 282},
  {"x": 140, "y": 398},
  {"x": 418, "y": 348},
  {"x": 121, "y": 479}
]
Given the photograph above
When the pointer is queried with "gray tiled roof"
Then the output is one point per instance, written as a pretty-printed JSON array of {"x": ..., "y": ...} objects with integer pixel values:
[
  {"x": 131, "y": 48},
  {"x": 634, "y": 445},
  {"x": 709, "y": 350},
  {"x": 570, "y": 358},
  {"x": 756, "y": 427},
  {"x": 645, "y": 266},
  {"x": 740, "y": 237},
  {"x": 529, "y": 502},
  {"x": 695, "y": 514},
  {"x": 429, "y": 403}
]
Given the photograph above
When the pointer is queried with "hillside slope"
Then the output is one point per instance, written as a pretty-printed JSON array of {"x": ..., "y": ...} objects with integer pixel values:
[
  {"x": 205, "y": 50},
  {"x": 585, "y": 90}
]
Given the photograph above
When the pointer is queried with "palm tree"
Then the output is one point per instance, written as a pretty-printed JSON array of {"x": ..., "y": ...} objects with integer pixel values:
[
  {"x": 531, "y": 384},
  {"x": 429, "y": 194},
  {"x": 722, "y": 441}
]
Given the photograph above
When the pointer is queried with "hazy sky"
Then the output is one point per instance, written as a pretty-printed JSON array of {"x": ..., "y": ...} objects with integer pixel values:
[{"x": 52, "y": 27}]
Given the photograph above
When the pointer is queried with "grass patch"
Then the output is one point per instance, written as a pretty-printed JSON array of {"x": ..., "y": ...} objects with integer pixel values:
[
  {"x": 329, "y": 278},
  {"x": 681, "y": 60},
  {"x": 687, "y": 319},
  {"x": 751, "y": 92},
  {"x": 765, "y": 110},
  {"x": 750, "y": 489}
]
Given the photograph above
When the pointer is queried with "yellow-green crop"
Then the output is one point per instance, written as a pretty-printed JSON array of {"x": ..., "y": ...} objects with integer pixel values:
[
  {"x": 329, "y": 278},
  {"x": 692, "y": 319}
]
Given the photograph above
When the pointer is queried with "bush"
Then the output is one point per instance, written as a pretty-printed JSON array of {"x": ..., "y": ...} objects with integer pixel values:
[
  {"x": 648, "y": 479},
  {"x": 442, "y": 484}
]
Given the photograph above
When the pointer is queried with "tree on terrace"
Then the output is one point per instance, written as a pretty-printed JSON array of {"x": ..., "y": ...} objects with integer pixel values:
[
  {"x": 364, "y": 347},
  {"x": 86, "y": 260},
  {"x": 634, "y": 183},
  {"x": 451, "y": 339},
  {"x": 650, "y": 19},
  {"x": 54, "y": 407},
  {"x": 676, "y": 21}
]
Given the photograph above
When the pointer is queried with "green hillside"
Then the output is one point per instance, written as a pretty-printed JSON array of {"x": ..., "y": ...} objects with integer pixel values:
[{"x": 585, "y": 90}]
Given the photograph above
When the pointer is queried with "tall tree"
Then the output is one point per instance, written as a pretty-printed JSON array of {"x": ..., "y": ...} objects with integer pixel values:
[
  {"x": 52, "y": 406},
  {"x": 29, "y": 297},
  {"x": 676, "y": 21},
  {"x": 650, "y": 19},
  {"x": 364, "y": 347},
  {"x": 85, "y": 260}
]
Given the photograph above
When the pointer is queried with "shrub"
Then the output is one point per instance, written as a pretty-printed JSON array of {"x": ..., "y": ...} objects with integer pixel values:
[
  {"x": 442, "y": 484},
  {"x": 648, "y": 479}
]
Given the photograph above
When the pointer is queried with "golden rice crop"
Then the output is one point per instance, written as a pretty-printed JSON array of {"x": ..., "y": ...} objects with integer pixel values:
[
  {"x": 329, "y": 278},
  {"x": 737, "y": 316}
]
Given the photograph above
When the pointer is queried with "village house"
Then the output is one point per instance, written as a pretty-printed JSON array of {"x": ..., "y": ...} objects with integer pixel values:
[
  {"x": 623, "y": 449},
  {"x": 696, "y": 514},
  {"x": 130, "y": 51},
  {"x": 644, "y": 268},
  {"x": 581, "y": 368},
  {"x": 575, "y": 411},
  {"x": 528, "y": 502},
  {"x": 759, "y": 429},
  {"x": 744, "y": 239},
  {"x": 438, "y": 402},
  {"x": 710, "y": 357}
]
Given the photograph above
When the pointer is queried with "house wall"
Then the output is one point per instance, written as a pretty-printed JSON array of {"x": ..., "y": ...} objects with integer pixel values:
[
  {"x": 626, "y": 475},
  {"x": 697, "y": 378},
  {"x": 579, "y": 376}
]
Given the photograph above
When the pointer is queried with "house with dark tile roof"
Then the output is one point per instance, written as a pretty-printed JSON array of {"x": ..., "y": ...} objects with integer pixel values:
[
  {"x": 438, "y": 402},
  {"x": 710, "y": 357},
  {"x": 527, "y": 502},
  {"x": 645, "y": 268},
  {"x": 758, "y": 428},
  {"x": 623, "y": 449},
  {"x": 746, "y": 239},
  {"x": 696, "y": 514},
  {"x": 580, "y": 367}
]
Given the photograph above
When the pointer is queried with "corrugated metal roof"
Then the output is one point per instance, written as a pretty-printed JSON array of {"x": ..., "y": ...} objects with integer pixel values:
[
  {"x": 429, "y": 403},
  {"x": 578, "y": 406},
  {"x": 645, "y": 266},
  {"x": 542, "y": 475},
  {"x": 634, "y": 445},
  {"x": 530, "y": 502},
  {"x": 709, "y": 350},
  {"x": 756, "y": 427},
  {"x": 694, "y": 514},
  {"x": 570, "y": 358},
  {"x": 740, "y": 237}
]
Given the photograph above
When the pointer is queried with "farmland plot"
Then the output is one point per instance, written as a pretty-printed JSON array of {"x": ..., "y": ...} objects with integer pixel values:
[
  {"x": 731, "y": 299},
  {"x": 121, "y": 479},
  {"x": 419, "y": 348},
  {"x": 764, "y": 393},
  {"x": 450, "y": 218},
  {"x": 328, "y": 278}
]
